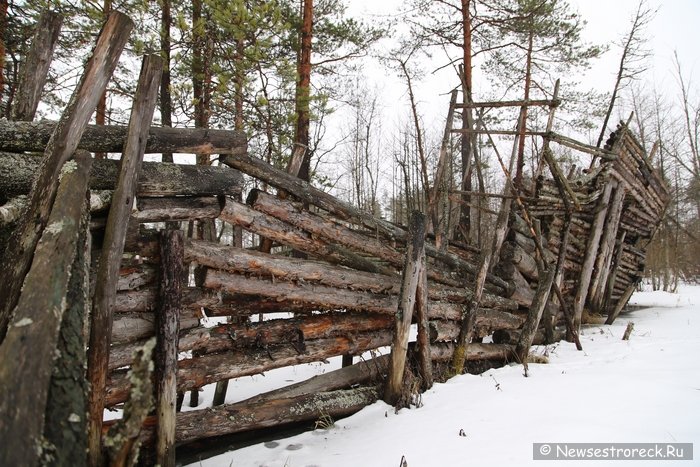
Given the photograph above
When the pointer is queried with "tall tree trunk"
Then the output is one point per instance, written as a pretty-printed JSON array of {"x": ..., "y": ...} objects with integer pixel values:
[
  {"x": 301, "y": 156},
  {"x": 165, "y": 97},
  {"x": 523, "y": 116},
  {"x": 101, "y": 111},
  {"x": 467, "y": 122},
  {"x": 3, "y": 27}
]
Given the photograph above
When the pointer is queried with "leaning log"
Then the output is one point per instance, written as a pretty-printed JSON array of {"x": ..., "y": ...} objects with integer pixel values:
[
  {"x": 113, "y": 246},
  {"x": 59, "y": 148},
  {"x": 34, "y": 329},
  {"x": 25, "y": 136}
]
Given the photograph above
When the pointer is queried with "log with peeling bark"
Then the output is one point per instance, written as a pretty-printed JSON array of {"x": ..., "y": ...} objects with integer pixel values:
[
  {"x": 130, "y": 327},
  {"x": 474, "y": 352},
  {"x": 199, "y": 371},
  {"x": 242, "y": 417},
  {"x": 283, "y": 233},
  {"x": 157, "y": 178},
  {"x": 176, "y": 209},
  {"x": 25, "y": 136},
  {"x": 232, "y": 336},
  {"x": 306, "y": 271}
]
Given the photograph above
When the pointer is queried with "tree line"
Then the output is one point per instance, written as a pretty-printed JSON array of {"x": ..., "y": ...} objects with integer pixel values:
[{"x": 279, "y": 69}]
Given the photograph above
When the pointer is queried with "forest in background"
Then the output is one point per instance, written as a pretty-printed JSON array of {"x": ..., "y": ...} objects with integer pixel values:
[{"x": 292, "y": 75}]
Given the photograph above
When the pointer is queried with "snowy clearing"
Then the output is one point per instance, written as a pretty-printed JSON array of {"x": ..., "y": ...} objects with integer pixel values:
[{"x": 646, "y": 389}]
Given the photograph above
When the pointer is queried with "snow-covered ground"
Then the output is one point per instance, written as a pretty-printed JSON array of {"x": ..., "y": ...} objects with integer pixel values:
[{"x": 645, "y": 390}]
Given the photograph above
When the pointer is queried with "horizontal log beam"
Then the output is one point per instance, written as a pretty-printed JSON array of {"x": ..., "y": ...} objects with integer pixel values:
[
  {"x": 196, "y": 372},
  {"x": 226, "y": 337},
  {"x": 33, "y": 136},
  {"x": 156, "y": 178}
]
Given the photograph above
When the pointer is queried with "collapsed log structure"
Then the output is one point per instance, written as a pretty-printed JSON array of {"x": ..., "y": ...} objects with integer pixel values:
[{"x": 361, "y": 285}]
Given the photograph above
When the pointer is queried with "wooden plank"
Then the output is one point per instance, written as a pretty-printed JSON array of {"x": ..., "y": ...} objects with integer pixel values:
[
  {"x": 425, "y": 366},
  {"x": 25, "y": 136},
  {"x": 413, "y": 269},
  {"x": 34, "y": 329},
  {"x": 36, "y": 66},
  {"x": 113, "y": 246},
  {"x": 171, "y": 283},
  {"x": 60, "y": 147}
]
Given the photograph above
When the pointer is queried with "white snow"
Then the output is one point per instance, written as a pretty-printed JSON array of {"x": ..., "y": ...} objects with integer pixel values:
[{"x": 646, "y": 389}]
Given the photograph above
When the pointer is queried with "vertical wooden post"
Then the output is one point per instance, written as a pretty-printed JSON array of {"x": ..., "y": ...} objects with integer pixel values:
[
  {"x": 113, "y": 246},
  {"x": 415, "y": 262},
  {"x": 440, "y": 227},
  {"x": 425, "y": 364},
  {"x": 172, "y": 254},
  {"x": 60, "y": 148},
  {"x": 36, "y": 66},
  {"x": 615, "y": 312},
  {"x": 26, "y": 353}
]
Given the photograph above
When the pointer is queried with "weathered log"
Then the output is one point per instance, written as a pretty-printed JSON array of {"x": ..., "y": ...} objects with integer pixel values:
[
  {"x": 591, "y": 252},
  {"x": 525, "y": 263},
  {"x": 165, "y": 355},
  {"x": 605, "y": 252},
  {"x": 197, "y": 372},
  {"x": 36, "y": 322},
  {"x": 281, "y": 232},
  {"x": 294, "y": 270},
  {"x": 334, "y": 233},
  {"x": 21, "y": 136},
  {"x": 621, "y": 302},
  {"x": 522, "y": 348},
  {"x": 486, "y": 322},
  {"x": 130, "y": 327},
  {"x": 157, "y": 179},
  {"x": 307, "y": 193},
  {"x": 511, "y": 336},
  {"x": 319, "y": 295},
  {"x": 67, "y": 397},
  {"x": 123, "y": 437},
  {"x": 175, "y": 209},
  {"x": 232, "y": 336},
  {"x": 12, "y": 210},
  {"x": 135, "y": 276},
  {"x": 412, "y": 271},
  {"x": 474, "y": 351},
  {"x": 363, "y": 372},
  {"x": 36, "y": 66},
  {"x": 113, "y": 245},
  {"x": 59, "y": 149},
  {"x": 422, "y": 311}
]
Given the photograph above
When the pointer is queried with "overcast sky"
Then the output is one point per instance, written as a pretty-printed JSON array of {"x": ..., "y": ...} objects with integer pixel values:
[{"x": 675, "y": 27}]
